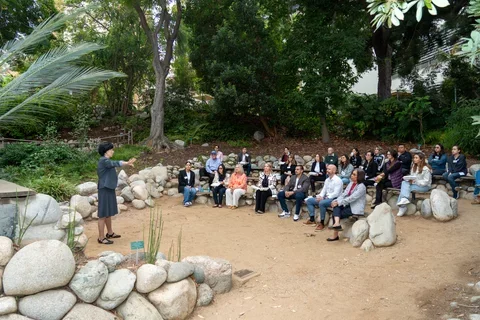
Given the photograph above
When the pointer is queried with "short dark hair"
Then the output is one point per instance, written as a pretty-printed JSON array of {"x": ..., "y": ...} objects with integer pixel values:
[
  {"x": 301, "y": 167},
  {"x": 458, "y": 147},
  {"x": 401, "y": 144},
  {"x": 104, "y": 147},
  {"x": 360, "y": 175},
  {"x": 371, "y": 153},
  {"x": 393, "y": 153},
  {"x": 188, "y": 162}
]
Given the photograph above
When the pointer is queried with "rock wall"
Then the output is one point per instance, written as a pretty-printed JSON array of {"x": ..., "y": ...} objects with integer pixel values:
[{"x": 40, "y": 282}]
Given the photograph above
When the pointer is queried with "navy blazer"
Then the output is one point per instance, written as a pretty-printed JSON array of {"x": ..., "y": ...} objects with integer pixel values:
[
  {"x": 183, "y": 181},
  {"x": 107, "y": 175},
  {"x": 247, "y": 157}
]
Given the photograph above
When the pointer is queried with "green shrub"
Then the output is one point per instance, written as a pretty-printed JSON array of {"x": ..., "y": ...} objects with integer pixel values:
[
  {"x": 56, "y": 186},
  {"x": 51, "y": 154},
  {"x": 460, "y": 130},
  {"x": 239, "y": 143},
  {"x": 13, "y": 154},
  {"x": 128, "y": 151}
]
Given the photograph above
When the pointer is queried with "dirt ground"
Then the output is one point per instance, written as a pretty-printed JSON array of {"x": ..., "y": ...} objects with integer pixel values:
[{"x": 309, "y": 278}]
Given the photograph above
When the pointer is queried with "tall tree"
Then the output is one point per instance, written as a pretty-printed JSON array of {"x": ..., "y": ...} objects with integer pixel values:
[{"x": 160, "y": 20}]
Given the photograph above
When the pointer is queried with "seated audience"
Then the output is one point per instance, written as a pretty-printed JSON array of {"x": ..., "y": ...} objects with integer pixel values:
[
  {"x": 290, "y": 166},
  {"x": 419, "y": 179},
  {"x": 296, "y": 189},
  {"x": 318, "y": 171},
  {"x": 345, "y": 169},
  {"x": 237, "y": 186},
  {"x": 219, "y": 183},
  {"x": 379, "y": 159},
  {"x": 391, "y": 177},
  {"x": 370, "y": 168},
  {"x": 355, "y": 158},
  {"x": 282, "y": 161},
  {"x": 350, "y": 202},
  {"x": 331, "y": 190},
  {"x": 245, "y": 160},
  {"x": 267, "y": 184},
  {"x": 457, "y": 167},
  {"x": 438, "y": 160},
  {"x": 476, "y": 192},
  {"x": 219, "y": 153},
  {"x": 405, "y": 158},
  {"x": 186, "y": 184},
  {"x": 211, "y": 166},
  {"x": 331, "y": 157}
]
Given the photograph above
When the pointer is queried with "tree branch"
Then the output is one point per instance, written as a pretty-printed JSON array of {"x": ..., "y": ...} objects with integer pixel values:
[{"x": 143, "y": 21}]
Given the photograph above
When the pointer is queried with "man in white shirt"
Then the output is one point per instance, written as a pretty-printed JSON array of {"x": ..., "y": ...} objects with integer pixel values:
[{"x": 332, "y": 188}]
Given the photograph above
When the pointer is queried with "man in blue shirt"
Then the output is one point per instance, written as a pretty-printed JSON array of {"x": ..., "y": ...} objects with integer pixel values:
[{"x": 211, "y": 166}]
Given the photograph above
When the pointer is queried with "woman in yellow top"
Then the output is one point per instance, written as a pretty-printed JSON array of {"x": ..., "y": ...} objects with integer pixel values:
[{"x": 237, "y": 187}]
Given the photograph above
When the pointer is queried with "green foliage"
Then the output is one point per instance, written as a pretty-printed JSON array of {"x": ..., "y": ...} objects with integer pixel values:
[
  {"x": 22, "y": 223},
  {"x": 13, "y": 154},
  {"x": 415, "y": 112},
  {"x": 155, "y": 231},
  {"x": 52, "y": 154},
  {"x": 434, "y": 136},
  {"x": 460, "y": 130},
  {"x": 57, "y": 187},
  {"x": 51, "y": 133},
  {"x": 128, "y": 151},
  {"x": 81, "y": 123},
  {"x": 239, "y": 143}
]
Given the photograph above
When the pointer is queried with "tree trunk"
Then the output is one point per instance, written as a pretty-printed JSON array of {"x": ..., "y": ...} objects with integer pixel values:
[
  {"x": 325, "y": 134},
  {"x": 383, "y": 52},
  {"x": 157, "y": 139},
  {"x": 272, "y": 132}
]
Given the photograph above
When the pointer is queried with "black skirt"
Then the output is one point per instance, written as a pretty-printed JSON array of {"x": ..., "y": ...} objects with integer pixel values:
[{"x": 107, "y": 203}]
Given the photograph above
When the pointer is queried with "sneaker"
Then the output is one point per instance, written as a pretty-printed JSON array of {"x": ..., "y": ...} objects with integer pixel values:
[
  {"x": 309, "y": 222},
  {"x": 296, "y": 217},
  {"x": 402, "y": 202},
  {"x": 402, "y": 211},
  {"x": 284, "y": 214}
]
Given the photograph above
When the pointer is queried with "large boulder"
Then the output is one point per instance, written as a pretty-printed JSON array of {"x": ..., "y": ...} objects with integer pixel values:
[
  {"x": 138, "y": 204},
  {"x": 138, "y": 183},
  {"x": 258, "y": 135},
  {"x": 89, "y": 281},
  {"x": 179, "y": 143},
  {"x": 87, "y": 188},
  {"x": 382, "y": 226},
  {"x": 359, "y": 233},
  {"x": 367, "y": 245},
  {"x": 8, "y": 305},
  {"x": 47, "y": 305},
  {"x": 14, "y": 316},
  {"x": 218, "y": 272},
  {"x": 83, "y": 311},
  {"x": 140, "y": 192},
  {"x": 119, "y": 285},
  {"x": 41, "y": 208},
  {"x": 66, "y": 219},
  {"x": 175, "y": 300},
  {"x": 426, "y": 209},
  {"x": 122, "y": 175},
  {"x": 150, "y": 277},
  {"x": 37, "y": 267},
  {"x": 146, "y": 174},
  {"x": 8, "y": 219},
  {"x": 299, "y": 160},
  {"x": 81, "y": 205},
  {"x": 6, "y": 250},
  {"x": 127, "y": 194},
  {"x": 136, "y": 307},
  {"x": 179, "y": 271},
  {"x": 111, "y": 259},
  {"x": 44, "y": 232},
  {"x": 161, "y": 173},
  {"x": 152, "y": 190},
  {"x": 441, "y": 206},
  {"x": 474, "y": 168}
]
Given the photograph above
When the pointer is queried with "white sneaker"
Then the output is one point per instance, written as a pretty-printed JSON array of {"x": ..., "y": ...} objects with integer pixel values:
[
  {"x": 284, "y": 214},
  {"x": 403, "y": 201},
  {"x": 296, "y": 217},
  {"x": 402, "y": 211}
]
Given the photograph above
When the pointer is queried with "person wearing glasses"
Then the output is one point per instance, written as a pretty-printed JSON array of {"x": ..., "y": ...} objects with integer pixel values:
[
  {"x": 296, "y": 189},
  {"x": 438, "y": 160},
  {"x": 391, "y": 177}
]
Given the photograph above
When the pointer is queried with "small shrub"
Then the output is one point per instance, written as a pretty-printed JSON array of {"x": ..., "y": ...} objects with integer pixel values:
[
  {"x": 56, "y": 186},
  {"x": 128, "y": 151},
  {"x": 460, "y": 128},
  {"x": 13, "y": 154},
  {"x": 239, "y": 143}
]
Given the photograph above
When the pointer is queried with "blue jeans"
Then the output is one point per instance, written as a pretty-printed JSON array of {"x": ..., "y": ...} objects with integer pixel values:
[
  {"x": 323, "y": 205},
  {"x": 247, "y": 168},
  {"x": 407, "y": 188},
  {"x": 188, "y": 194},
  {"x": 299, "y": 196},
  {"x": 451, "y": 181},
  {"x": 345, "y": 180},
  {"x": 218, "y": 193},
  {"x": 476, "y": 192}
]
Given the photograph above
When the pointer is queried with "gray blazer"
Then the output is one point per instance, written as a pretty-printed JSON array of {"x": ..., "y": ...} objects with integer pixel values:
[
  {"x": 107, "y": 175},
  {"x": 356, "y": 200},
  {"x": 304, "y": 181}
]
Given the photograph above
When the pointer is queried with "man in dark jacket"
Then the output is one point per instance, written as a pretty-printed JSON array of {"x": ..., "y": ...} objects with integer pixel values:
[
  {"x": 186, "y": 184},
  {"x": 245, "y": 160},
  {"x": 296, "y": 189},
  {"x": 406, "y": 158}
]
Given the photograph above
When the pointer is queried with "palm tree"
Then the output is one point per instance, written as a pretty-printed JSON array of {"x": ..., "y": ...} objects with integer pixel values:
[{"x": 50, "y": 80}]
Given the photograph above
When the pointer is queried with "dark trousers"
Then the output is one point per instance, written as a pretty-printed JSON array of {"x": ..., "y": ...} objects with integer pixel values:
[
  {"x": 204, "y": 173},
  {"x": 313, "y": 179},
  {"x": 342, "y": 212},
  {"x": 383, "y": 184},
  {"x": 368, "y": 183},
  {"x": 438, "y": 172},
  {"x": 261, "y": 199},
  {"x": 299, "y": 197},
  {"x": 405, "y": 171},
  {"x": 247, "y": 168},
  {"x": 283, "y": 177},
  {"x": 218, "y": 193}
]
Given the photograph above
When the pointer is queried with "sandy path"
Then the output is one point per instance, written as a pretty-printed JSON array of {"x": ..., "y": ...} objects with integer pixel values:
[{"x": 307, "y": 277}]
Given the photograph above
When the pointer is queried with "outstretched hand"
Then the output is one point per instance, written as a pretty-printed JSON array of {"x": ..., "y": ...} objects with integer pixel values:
[{"x": 131, "y": 161}]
